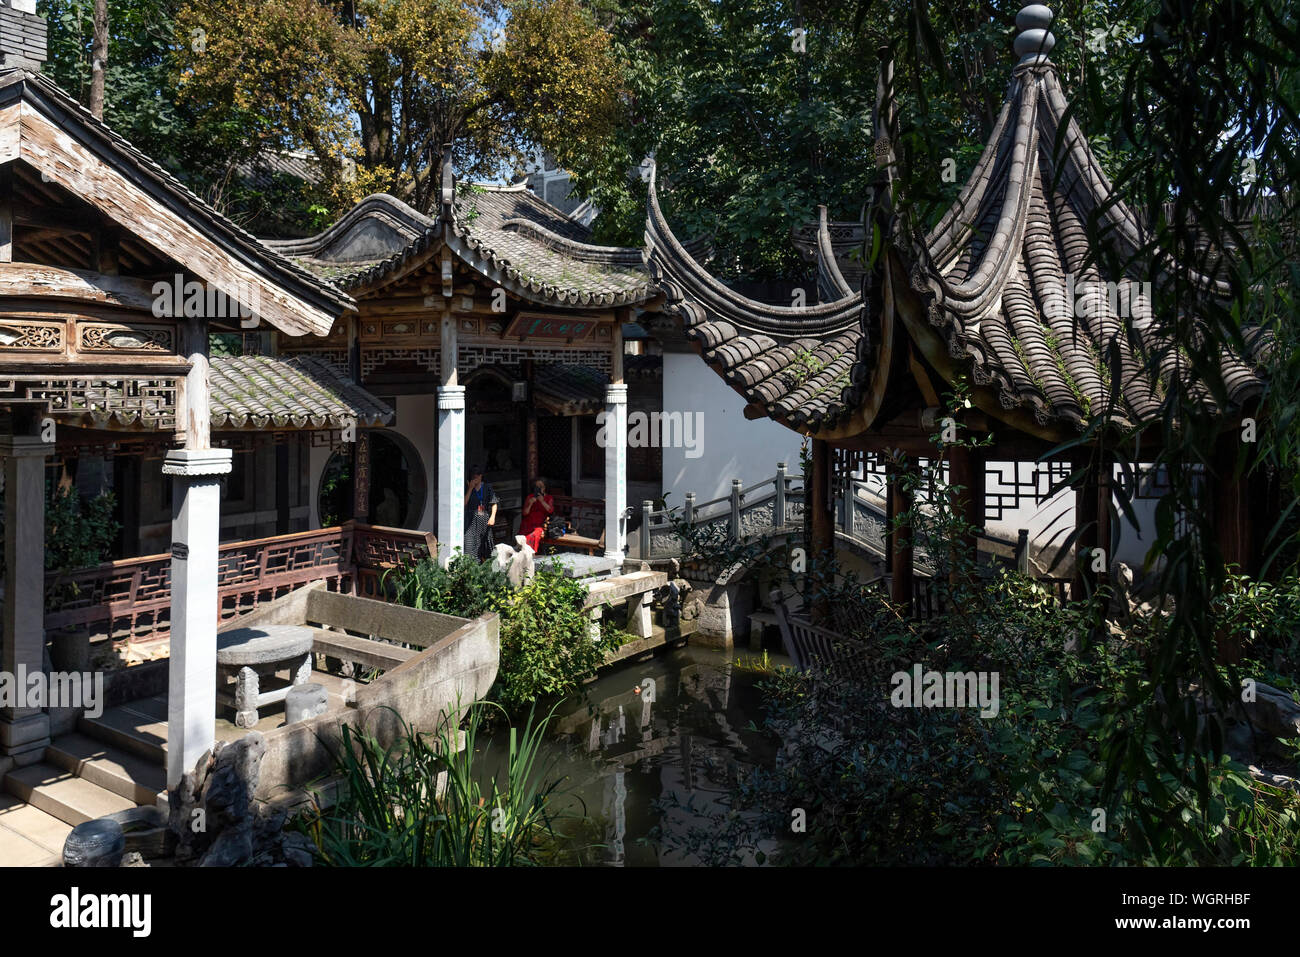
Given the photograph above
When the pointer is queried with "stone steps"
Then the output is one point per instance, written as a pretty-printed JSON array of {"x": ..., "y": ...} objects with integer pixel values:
[
  {"x": 29, "y": 837},
  {"x": 62, "y": 794},
  {"x": 132, "y": 730},
  {"x": 121, "y": 772}
]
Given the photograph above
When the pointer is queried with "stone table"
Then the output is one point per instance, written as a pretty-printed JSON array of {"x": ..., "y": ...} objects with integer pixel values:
[
  {"x": 578, "y": 566},
  {"x": 250, "y": 653}
]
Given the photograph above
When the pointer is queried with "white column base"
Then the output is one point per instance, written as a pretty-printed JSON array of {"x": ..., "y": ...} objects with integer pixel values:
[
  {"x": 192, "y": 675},
  {"x": 451, "y": 471}
]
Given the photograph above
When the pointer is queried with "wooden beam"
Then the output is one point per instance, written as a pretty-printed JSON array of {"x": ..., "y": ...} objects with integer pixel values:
[
  {"x": 966, "y": 470},
  {"x": 1087, "y": 496},
  {"x": 78, "y": 285}
]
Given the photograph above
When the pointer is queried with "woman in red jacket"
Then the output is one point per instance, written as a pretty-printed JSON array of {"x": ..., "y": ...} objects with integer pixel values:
[{"x": 537, "y": 511}]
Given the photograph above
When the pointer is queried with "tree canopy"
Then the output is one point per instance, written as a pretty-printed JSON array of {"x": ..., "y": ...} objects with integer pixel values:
[{"x": 375, "y": 88}]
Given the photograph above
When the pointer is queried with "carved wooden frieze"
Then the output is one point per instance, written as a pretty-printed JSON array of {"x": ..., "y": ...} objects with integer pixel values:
[
  {"x": 27, "y": 336},
  {"x": 132, "y": 338}
]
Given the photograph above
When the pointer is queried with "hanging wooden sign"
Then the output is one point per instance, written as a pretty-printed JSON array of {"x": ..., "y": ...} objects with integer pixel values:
[{"x": 535, "y": 325}]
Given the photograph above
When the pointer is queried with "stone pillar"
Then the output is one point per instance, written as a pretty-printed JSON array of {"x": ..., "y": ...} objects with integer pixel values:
[
  {"x": 24, "y": 732},
  {"x": 615, "y": 471},
  {"x": 192, "y": 676},
  {"x": 451, "y": 471}
]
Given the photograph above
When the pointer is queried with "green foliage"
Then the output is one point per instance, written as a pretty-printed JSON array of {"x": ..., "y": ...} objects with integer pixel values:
[
  {"x": 751, "y": 135},
  {"x": 143, "y": 102},
  {"x": 545, "y": 650},
  {"x": 391, "y": 814},
  {"x": 78, "y": 533},
  {"x": 465, "y": 588},
  {"x": 374, "y": 89}
]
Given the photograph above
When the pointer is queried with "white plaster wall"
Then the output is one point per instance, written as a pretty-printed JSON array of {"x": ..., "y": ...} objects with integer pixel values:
[
  {"x": 731, "y": 446},
  {"x": 417, "y": 421},
  {"x": 1050, "y": 523}
]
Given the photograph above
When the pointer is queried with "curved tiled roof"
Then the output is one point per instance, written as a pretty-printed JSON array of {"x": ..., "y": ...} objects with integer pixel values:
[
  {"x": 1010, "y": 284},
  {"x": 805, "y": 365},
  {"x": 1007, "y": 280},
  {"x": 303, "y": 392},
  {"x": 506, "y": 233},
  {"x": 519, "y": 240}
]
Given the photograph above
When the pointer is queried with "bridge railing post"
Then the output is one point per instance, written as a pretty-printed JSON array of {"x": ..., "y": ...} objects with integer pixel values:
[
  {"x": 735, "y": 508},
  {"x": 778, "y": 508},
  {"x": 688, "y": 509},
  {"x": 1022, "y": 551},
  {"x": 647, "y": 507}
]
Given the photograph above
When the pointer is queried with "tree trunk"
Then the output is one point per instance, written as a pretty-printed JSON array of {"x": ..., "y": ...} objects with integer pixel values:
[{"x": 99, "y": 59}]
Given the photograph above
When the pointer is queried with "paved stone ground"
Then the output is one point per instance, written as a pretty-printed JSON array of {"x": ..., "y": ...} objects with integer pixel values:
[{"x": 28, "y": 836}]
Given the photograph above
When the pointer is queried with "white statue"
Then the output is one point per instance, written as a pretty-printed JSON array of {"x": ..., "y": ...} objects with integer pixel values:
[{"x": 518, "y": 565}]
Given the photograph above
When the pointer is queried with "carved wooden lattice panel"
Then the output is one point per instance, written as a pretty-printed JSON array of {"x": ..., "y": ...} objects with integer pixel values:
[
  {"x": 125, "y": 401},
  {"x": 132, "y": 598}
]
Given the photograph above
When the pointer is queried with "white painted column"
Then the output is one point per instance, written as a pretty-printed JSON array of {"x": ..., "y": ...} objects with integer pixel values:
[
  {"x": 451, "y": 471},
  {"x": 24, "y": 732},
  {"x": 451, "y": 436},
  {"x": 615, "y": 471},
  {"x": 192, "y": 676}
]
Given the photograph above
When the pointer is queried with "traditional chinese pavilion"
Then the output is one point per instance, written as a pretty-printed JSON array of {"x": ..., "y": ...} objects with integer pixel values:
[{"x": 984, "y": 300}]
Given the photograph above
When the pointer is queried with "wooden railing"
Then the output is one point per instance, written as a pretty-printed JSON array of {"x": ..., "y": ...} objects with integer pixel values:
[{"x": 131, "y": 598}]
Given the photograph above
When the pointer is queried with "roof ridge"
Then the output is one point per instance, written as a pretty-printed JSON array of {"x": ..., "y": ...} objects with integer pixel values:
[{"x": 165, "y": 179}]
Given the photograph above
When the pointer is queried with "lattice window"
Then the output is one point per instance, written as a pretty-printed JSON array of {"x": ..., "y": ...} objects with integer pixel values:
[
  {"x": 147, "y": 401},
  {"x": 427, "y": 359},
  {"x": 471, "y": 357}
]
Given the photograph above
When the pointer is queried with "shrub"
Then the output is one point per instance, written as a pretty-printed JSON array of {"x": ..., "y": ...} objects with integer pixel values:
[
  {"x": 392, "y": 814},
  {"x": 78, "y": 533},
  {"x": 545, "y": 649},
  {"x": 465, "y": 588}
]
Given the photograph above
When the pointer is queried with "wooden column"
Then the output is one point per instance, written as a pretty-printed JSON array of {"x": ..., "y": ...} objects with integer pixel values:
[
  {"x": 24, "y": 731},
  {"x": 1244, "y": 504},
  {"x": 821, "y": 520},
  {"x": 898, "y": 541},
  {"x": 282, "y": 487},
  {"x": 966, "y": 470}
]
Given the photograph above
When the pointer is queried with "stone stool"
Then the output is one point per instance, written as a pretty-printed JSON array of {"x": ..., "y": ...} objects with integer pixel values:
[{"x": 305, "y": 701}]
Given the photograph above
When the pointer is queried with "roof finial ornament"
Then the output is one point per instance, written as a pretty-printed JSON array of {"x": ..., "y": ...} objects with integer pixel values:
[
  {"x": 1035, "y": 41},
  {"x": 448, "y": 179}
]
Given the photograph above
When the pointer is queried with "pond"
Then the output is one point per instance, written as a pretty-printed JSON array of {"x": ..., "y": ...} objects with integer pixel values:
[{"x": 652, "y": 753}]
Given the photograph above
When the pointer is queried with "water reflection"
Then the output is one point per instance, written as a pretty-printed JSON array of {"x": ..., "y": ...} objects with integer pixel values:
[{"x": 647, "y": 781}]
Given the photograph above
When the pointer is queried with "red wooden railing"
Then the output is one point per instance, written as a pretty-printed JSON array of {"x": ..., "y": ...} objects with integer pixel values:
[{"x": 131, "y": 598}]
